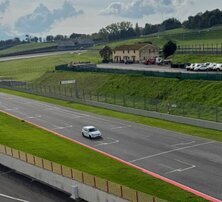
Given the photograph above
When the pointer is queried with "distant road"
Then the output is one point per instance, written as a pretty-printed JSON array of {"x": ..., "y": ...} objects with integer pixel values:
[
  {"x": 17, "y": 188},
  {"x": 142, "y": 67},
  {"x": 38, "y": 55}
]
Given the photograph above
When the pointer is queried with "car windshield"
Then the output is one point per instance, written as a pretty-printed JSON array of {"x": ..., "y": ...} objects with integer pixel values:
[{"x": 92, "y": 129}]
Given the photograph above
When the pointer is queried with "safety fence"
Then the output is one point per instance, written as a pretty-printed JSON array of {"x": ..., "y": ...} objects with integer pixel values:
[
  {"x": 72, "y": 92},
  {"x": 82, "y": 177},
  {"x": 212, "y": 49}
]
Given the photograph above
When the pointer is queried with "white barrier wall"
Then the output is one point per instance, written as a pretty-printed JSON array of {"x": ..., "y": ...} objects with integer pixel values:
[{"x": 72, "y": 187}]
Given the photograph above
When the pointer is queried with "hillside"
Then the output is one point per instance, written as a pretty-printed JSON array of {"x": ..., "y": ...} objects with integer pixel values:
[
  {"x": 168, "y": 90},
  {"x": 26, "y": 47},
  {"x": 180, "y": 36}
]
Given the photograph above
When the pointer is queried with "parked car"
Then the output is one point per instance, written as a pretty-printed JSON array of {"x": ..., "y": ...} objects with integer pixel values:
[
  {"x": 150, "y": 61},
  {"x": 211, "y": 66},
  {"x": 129, "y": 62},
  {"x": 195, "y": 67},
  {"x": 204, "y": 67},
  {"x": 91, "y": 132},
  {"x": 189, "y": 67},
  {"x": 218, "y": 67},
  {"x": 159, "y": 61},
  {"x": 167, "y": 62}
]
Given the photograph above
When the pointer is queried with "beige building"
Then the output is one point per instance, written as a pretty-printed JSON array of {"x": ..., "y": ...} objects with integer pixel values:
[{"x": 135, "y": 52}]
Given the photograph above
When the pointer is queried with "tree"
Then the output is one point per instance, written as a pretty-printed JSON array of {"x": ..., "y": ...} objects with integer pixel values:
[
  {"x": 171, "y": 23},
  {"x": 137, "y": 30},
  {"x": 27, "y": 38},
  {"x": 34, "y": 39},
  {"x": 169, "y": 49},
  {"x": 59, "y": 37},
  {"x": 106, "y": 53},
  {"x": 50, "y": 38}
]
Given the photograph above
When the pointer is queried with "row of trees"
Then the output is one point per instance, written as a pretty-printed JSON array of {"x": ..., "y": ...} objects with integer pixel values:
[{"x": 204, "y": 20}]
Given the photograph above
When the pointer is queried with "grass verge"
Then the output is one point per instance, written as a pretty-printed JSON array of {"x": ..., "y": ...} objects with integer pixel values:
[{"x": 25, "y": 137}]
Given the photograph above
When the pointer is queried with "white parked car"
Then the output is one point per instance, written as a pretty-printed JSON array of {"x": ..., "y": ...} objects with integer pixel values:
[
  {"x": 197, "y": 67},
  {"x": 189, "y": 67},
  {"x": 203, "y": 67},
  {"x": 91, "y": 132},
  {"x": 211, "y": 66},
  {"x": 159, "y": 60},
  {"x": 218, "y": 67}
]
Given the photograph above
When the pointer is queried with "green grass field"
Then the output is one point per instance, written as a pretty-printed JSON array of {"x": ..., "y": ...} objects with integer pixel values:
[
  {"x": 30, "y": 69},
  {"x": 26, "y": 47}
]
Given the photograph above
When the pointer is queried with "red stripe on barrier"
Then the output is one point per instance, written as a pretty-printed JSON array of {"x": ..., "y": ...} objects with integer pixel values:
[{"x": 181, "y": 186}]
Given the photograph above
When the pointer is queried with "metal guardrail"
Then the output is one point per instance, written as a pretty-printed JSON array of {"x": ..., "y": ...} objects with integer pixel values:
[{"x": 85, "y": 178}]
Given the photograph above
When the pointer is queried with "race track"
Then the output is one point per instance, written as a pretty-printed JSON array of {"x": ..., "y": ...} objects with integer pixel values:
[{"x": 191, "y": 161}]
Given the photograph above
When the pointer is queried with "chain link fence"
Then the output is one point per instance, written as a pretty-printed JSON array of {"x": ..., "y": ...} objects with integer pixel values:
[{"x": 201, "y": 49}]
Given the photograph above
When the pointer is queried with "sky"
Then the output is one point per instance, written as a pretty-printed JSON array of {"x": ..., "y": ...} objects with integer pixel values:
[{"x": 51, "y": 17}]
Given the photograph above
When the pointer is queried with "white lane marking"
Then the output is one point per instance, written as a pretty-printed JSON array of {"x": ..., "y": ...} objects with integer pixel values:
[
  {"x": 114, "y": 141},
  {"x": 10, "y": 197},
  {"x": 120, "y": 127},
  {"x": 11, "y": 109},
  {"x": 182, "y": 143},
  {"x": 34, "y": 117},
  {"x": 166, "y": 166},
  {"x": 66, "y": 111},
  {"x": 170, "y": 151},
  {"x": 190, "y": 166},
  {"x": 62, "y": 127}
]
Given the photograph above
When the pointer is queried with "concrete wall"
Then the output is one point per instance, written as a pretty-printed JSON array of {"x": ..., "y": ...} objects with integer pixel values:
[{"x": 59, "y": 182}]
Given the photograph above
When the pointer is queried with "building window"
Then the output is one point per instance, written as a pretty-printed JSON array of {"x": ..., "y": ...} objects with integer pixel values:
[
  {"x": 128, "y": 51},
  {"x": 134, "y": 51},
  {"x": 123, "y": 51},
  {"x": 114, "y": 52}
]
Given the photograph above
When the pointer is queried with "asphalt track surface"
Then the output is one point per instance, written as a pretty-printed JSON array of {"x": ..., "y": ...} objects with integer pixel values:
[
  {"x": 36, "y": 55},
  {"x": 191, "y": 161},
  {"x": 152, "y": 68},
  {"x": 17, "y": 188}
]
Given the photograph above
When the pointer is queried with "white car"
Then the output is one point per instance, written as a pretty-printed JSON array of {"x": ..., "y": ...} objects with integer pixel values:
[
  {"x": 91, "y": 132},
  {"x": 189, "y": 67},
  {"x": 218, "y": 67},
  {"x": 197, "y": 67},
  {"x": 203, "y": 67},
  {"x": 211, "y": 66}
]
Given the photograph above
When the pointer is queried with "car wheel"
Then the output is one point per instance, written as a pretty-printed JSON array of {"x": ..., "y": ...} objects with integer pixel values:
[
  {"x": 83, "y": 134},
  {"x": 90, "y": 137}
]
